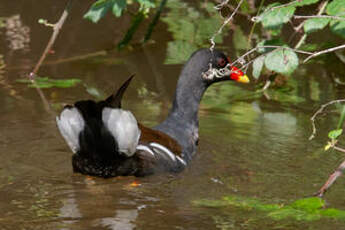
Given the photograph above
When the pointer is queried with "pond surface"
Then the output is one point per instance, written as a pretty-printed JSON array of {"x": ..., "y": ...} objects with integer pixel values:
[{"x": 249, "y": 145}]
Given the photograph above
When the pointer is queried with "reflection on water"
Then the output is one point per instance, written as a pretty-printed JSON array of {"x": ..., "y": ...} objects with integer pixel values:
[
  {"x": 17, "y": 34},
  {"x": 249, "y": 146},
  {"x": 121, "y": 220}
]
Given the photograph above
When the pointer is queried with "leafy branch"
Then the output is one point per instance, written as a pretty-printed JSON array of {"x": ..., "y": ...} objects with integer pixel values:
[
  {"x": 283, "y": 59},
  {"x": 333, "y": 136},
  {"x": 101, "y": 7}
]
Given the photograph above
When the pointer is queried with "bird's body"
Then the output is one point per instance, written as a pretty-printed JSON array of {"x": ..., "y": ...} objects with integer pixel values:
[{"x": 107, "y": 141}]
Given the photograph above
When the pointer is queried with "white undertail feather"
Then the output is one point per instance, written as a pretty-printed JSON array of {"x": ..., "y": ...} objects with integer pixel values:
[
  {"x": 124, "y": 128},
  {"x": 70, "y": 124}
]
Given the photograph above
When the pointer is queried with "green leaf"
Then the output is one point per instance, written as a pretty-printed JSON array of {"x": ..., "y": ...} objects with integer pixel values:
[
  {"x": 190, "y": 28},
  {"x": 146, "y": 4},
  {"x": 101, "y": 7},
  {"x": 338, "y": 27},
  {"x": 314, "y": 24},
  {"x": 282, "y": 61},
  {"x": 336, "y": 8},
  {"x": 334, "y": 134},
  {"x": 179, "y": 52},
  {"x": 45, "y": 82},
  {"x": 274, "y": 19},
  {"x": 118, "y": 7},
  {"x": 305, "y": 2},
  {"x": 257, "y": 66}
]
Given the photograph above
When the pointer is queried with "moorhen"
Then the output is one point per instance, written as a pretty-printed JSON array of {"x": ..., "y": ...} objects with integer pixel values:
[{"x": 107, "y": 141}]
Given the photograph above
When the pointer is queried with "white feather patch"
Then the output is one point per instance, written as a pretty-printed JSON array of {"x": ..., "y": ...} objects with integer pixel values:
[
  {"x": 124, "y": 128},
  {"x": 181, "y": 160},
  {"x": 70, "y": 124},
  {"x": 145, "y": 148},
  {"x": 164, "y": 150}
]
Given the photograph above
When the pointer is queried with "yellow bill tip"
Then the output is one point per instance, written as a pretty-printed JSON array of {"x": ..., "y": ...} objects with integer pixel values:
[{"x": 243, "y": 79}]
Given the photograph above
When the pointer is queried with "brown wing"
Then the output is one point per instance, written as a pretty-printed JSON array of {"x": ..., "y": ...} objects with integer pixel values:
[{"x": 149, "y": 135}]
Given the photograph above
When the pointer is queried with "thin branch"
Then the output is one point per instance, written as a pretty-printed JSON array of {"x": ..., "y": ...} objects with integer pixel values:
[
  {"x": 51, "y": 42},
  {"x": 320, "y": 110},
  {"x": 221, "y": 5},
  {"x": 333, "y": 177},
  {"x": 261, "y": 47},
  {"x": 213, "y": 44},
  {"x": 257, "y": 18},
  {"x": 311, "y": 54},
  {"x": 323, "y": 52},
  {"x": 56, "y": 31},
  {"x": 281, "y": 6},
  {"x": 254, "y": 24},
  {"x": 319, "y": 16}
]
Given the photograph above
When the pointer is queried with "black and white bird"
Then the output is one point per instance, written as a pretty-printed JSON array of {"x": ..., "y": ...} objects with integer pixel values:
[{"x": 107, "y": 141}]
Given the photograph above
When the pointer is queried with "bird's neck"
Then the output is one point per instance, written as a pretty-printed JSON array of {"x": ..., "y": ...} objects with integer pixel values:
[{"x": 182, "y": 122}]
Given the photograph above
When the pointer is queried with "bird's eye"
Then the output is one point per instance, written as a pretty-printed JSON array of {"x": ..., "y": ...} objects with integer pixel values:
[{"x": 221, "y": 62}]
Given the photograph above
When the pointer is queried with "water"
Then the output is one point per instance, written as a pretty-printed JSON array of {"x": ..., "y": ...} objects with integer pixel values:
[{"x": 249, "y": 146}]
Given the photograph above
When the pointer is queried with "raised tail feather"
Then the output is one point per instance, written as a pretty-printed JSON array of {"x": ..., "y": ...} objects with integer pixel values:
[{"x": 100, "y": 131}]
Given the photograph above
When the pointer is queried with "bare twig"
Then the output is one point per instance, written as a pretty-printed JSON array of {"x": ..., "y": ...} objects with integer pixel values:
[
  {"x": 262, "y": 47},
  {"x": 221, "y": 5},
  {"x": 319, "y": 16},
  {"x": 311, "y": 54},
  {"x": 333, "y": 177},
  {"x": 267, "y": 84},
  {"x": 323, "y": 52},
  {"x": 281, "y": 6},
  {"x": 56, "y": 28},
  {"x": 213, "y": 44},
  {"x": 257, "y": 18},
  {"x": 254, "y": 24},
  {"x": 320, "y": 110}
]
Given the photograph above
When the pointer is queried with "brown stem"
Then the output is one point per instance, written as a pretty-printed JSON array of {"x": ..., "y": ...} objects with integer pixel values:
[
  {"x": 261, "y": 47},
  {"x": 323, "y": 52},
  {"x": 319, "y": 16},
  {"x": 51, "y": 42},
  {"x": 320, "y": 110},
  {"x": 333, "y": 177}
]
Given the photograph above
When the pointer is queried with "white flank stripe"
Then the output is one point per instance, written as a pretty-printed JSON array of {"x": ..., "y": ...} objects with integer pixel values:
[
  {"x": 165, "y": 150},
  {"x": 145, "y": 148},
  {"x": 181, "y": 160}
]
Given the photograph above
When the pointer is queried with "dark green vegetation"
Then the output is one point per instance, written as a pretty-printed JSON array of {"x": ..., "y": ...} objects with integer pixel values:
[{"x": 308, "y": 209}]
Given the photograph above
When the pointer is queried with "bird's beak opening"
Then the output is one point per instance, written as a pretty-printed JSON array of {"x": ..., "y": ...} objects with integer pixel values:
[{"x": 243, "y": 79}]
